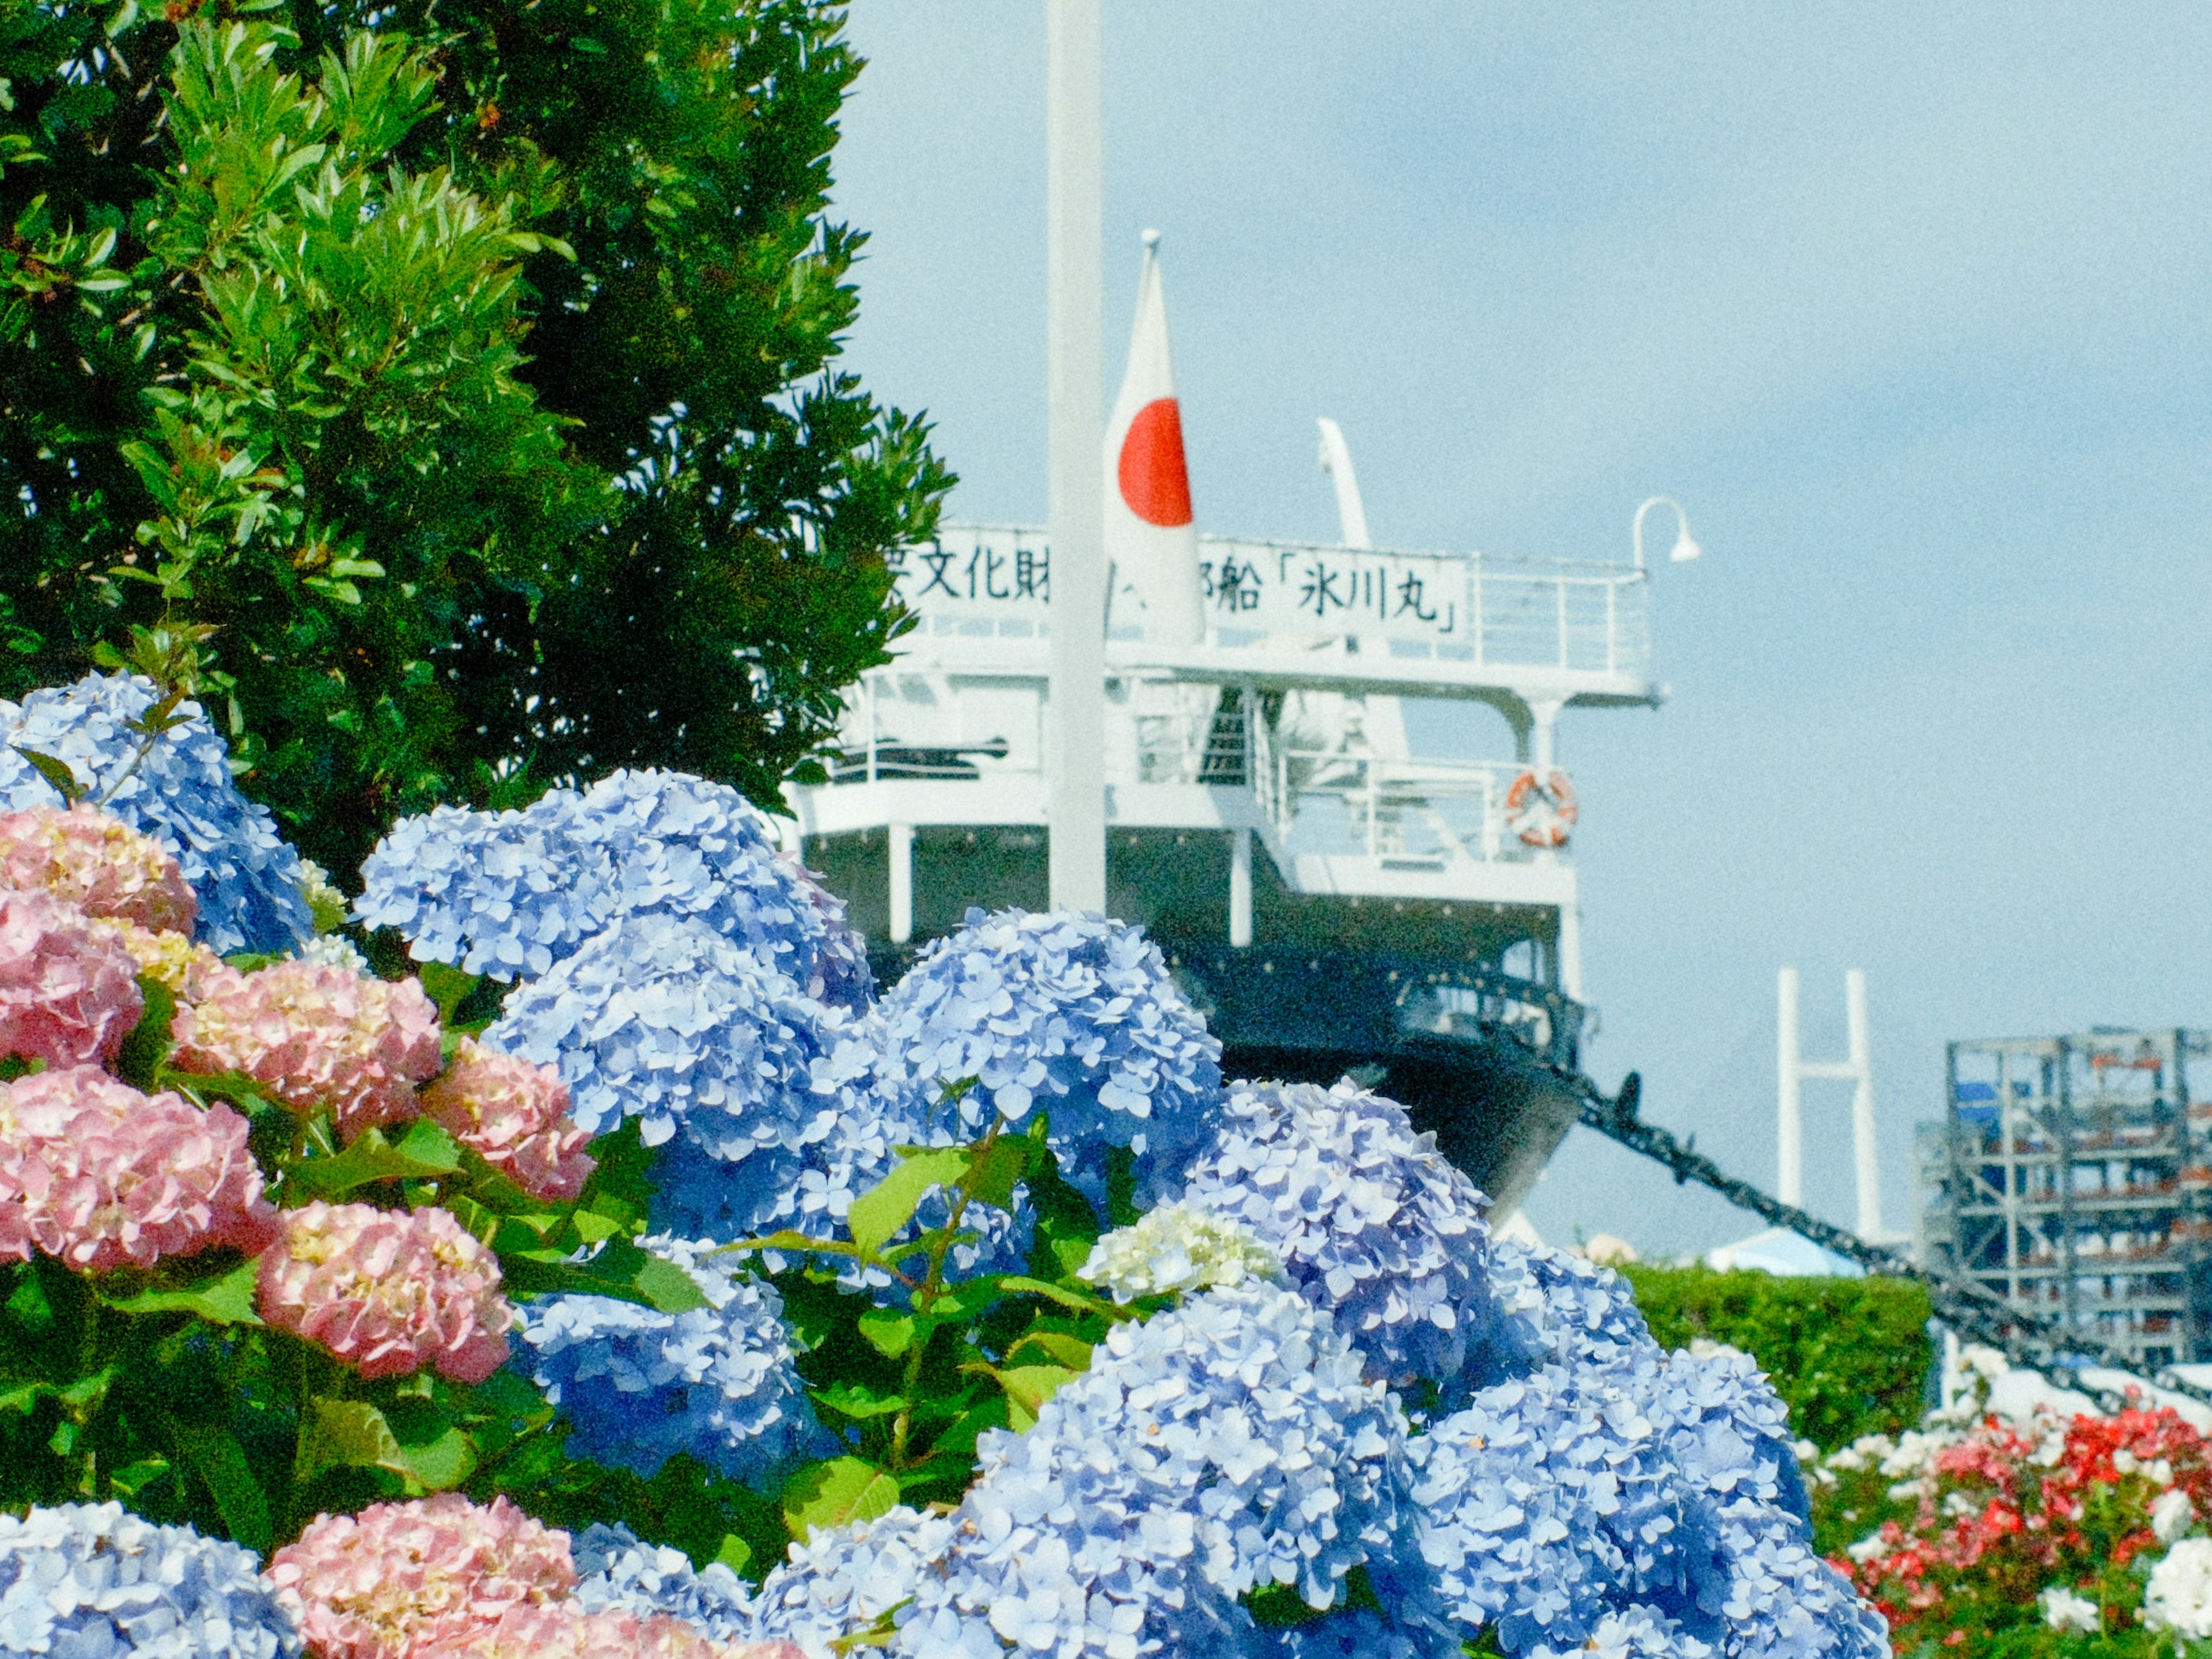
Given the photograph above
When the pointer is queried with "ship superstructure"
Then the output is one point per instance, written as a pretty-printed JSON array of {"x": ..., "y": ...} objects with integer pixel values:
[{"x": 1334, "y": 901}]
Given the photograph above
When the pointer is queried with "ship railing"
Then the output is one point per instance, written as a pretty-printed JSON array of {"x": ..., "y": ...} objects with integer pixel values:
[
  {"x": 1466, "y": 612},
  {"x": 1405, "y": 810}
]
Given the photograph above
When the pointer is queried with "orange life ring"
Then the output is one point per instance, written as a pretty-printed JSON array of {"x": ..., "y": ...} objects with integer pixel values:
[{"x": 1542, "y": 810}]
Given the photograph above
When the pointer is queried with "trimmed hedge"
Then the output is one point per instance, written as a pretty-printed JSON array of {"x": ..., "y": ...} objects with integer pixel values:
[{"x": 1848, "y": 1356}]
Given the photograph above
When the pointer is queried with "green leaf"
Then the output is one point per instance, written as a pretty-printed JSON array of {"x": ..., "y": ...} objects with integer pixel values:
[
  {"x": 736, "y": 1554},
  {"x": 1064, "y": 1350},
  {"x": 619, "y": 1269},
  {"x": 344, "y": 1434},
  {"x": 667, "y": 1286},
  {"x": 890, "y": 1334},
  {"x": 793, "y": 1243},
  {"x": 835, "y": 1494},
  {"x": 446, "y": 986},
  {"x": 889, "y": 1204},
  {"x": 148, "y": 1043},
  {"x": 425, "y": 1149},
  {"x": 1017, "y": 1284},
  {"x": 436, "y": 1453},
  {"x": 857, "y": 1401},
  {"x": 219, "y": 1460},
  {"x": 1028, "y": 1387},
  {"x": 129, "y": 1481},
  {"x": 225, "y": 1297},
  {"x": 995, "y": 1169},
  {"x": 20, "y": 1399},
  {"x": 87, "y": 1393},
  {"x": 56, "y": 772},
  {"x": 969, "y": 1297},
  {"x": 416, "y": 1442}
]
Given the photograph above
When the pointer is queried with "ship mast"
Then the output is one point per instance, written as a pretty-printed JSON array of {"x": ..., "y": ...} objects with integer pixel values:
[{"x": 1075, "y": 798}]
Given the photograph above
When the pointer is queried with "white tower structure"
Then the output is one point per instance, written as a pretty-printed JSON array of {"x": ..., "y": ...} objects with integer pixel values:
[{"x": 1792, "y": 1069}]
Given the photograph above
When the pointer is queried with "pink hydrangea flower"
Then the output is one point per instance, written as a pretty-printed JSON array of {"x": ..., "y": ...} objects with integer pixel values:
[
  {"x": 95, "y": 861},
  {"x": 68, "y": 995},
  {"x": 388, "y": 1291},
  {"x": 316, "y": 1035},
  {"x": 386, "y": 1582},
  {"x": 565, "y": 1631},
  {"x": 98, "y": 1174},
  {"x": 516, "y": 1114},
  {"x": 191, "y": 972}
]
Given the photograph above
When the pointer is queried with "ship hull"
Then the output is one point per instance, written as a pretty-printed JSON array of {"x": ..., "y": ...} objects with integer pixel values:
[{"x": 1474, "y": 1054}]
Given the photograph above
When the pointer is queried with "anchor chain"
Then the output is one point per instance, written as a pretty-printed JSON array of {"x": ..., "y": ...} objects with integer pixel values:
[{"x": 1972, "y": 1309}]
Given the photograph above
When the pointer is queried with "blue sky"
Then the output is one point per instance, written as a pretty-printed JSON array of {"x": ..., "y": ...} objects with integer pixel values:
[{"x": 1909, "y": 305}]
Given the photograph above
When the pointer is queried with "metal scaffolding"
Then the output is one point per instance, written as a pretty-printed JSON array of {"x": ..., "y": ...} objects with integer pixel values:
[{"x": 2072, "y": 1176}]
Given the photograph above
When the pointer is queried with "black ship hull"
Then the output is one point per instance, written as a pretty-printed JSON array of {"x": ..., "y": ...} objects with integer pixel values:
[{"x": 1473, "y": 1054}]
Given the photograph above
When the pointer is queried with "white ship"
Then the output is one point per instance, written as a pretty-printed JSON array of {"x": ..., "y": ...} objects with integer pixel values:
[{"x": 1333, "y": 902}]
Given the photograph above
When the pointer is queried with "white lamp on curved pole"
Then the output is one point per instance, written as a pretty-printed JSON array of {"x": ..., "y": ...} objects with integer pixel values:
[{"x": 1684, "y": 550}]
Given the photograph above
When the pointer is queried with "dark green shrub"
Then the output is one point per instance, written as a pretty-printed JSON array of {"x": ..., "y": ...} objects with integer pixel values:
[{"x": 1848, "y": 1356}]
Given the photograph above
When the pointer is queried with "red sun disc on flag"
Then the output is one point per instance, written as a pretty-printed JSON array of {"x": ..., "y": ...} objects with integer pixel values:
[{"x": 1153, "y": 480}]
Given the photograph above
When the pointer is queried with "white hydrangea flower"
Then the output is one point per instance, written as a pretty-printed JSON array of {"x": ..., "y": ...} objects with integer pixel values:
[
  {"x": 2171, "y": 1515},
  {"x": 2063, "y": 1610},
  {"x": 333, "y": 950},
  {"x": 1867, "y": 1548},
  {"x": 2180, "y": 1598},
  {"x": 1177, "y": 1248}
]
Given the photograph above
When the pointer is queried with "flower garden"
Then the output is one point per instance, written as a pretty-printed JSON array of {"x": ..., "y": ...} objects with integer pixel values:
[{"x": 564, "y": 1248}]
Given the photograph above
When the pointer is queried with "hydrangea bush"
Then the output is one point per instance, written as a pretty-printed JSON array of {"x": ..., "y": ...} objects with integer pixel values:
[{"x": 629, "y": 1280}]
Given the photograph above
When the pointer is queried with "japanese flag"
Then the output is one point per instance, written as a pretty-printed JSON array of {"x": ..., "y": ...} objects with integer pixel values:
[{"x": 1150, "y": 543}]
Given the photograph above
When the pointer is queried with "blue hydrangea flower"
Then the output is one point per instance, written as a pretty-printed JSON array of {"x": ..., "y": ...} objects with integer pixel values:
[
  {"x": 640, "y": 1385},
  {"x": 663, "y": 1019},
  {"x": 1602, "y": 1479},
  {"x": 1221, "y": 1446},
  {"x": 1349, "y": 1634},
  {"x": 512, "y": 894},
  {"x": 1370, "y": 1219},
  {"x": 617, "y": 1571},
  {"x": 247, "y": 881},
  {"x": 1552, "y": 1500},
  {"x": 842, "y": 1580},
  {"x": 1072, "y": 1015},
  {"x": 1550, "y": 1308},
  {"x": 1729, "y": 1436},
  {"x": 87, "y": 1580},
  {"x": 1229, "y": 1442}
]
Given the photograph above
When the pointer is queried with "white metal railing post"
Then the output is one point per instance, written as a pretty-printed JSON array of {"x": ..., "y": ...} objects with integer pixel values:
[
  {"x": 1240, "y": 887},
  {"x": 1559, "y": 588},
  {"x": 901, "y": 838},
  {"x": 1474, "y": 605},
  {"x": 872, "y": 728},
  {"x": 1367, "y": 766},
  {"x": 1789, "y": 1107}
]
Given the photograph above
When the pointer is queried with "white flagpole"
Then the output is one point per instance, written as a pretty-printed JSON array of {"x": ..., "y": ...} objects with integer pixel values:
[{"x": 1076, "y": 786}]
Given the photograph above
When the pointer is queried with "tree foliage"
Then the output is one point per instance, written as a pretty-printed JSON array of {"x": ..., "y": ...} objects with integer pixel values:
[{"x": 469, "y": 370}]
